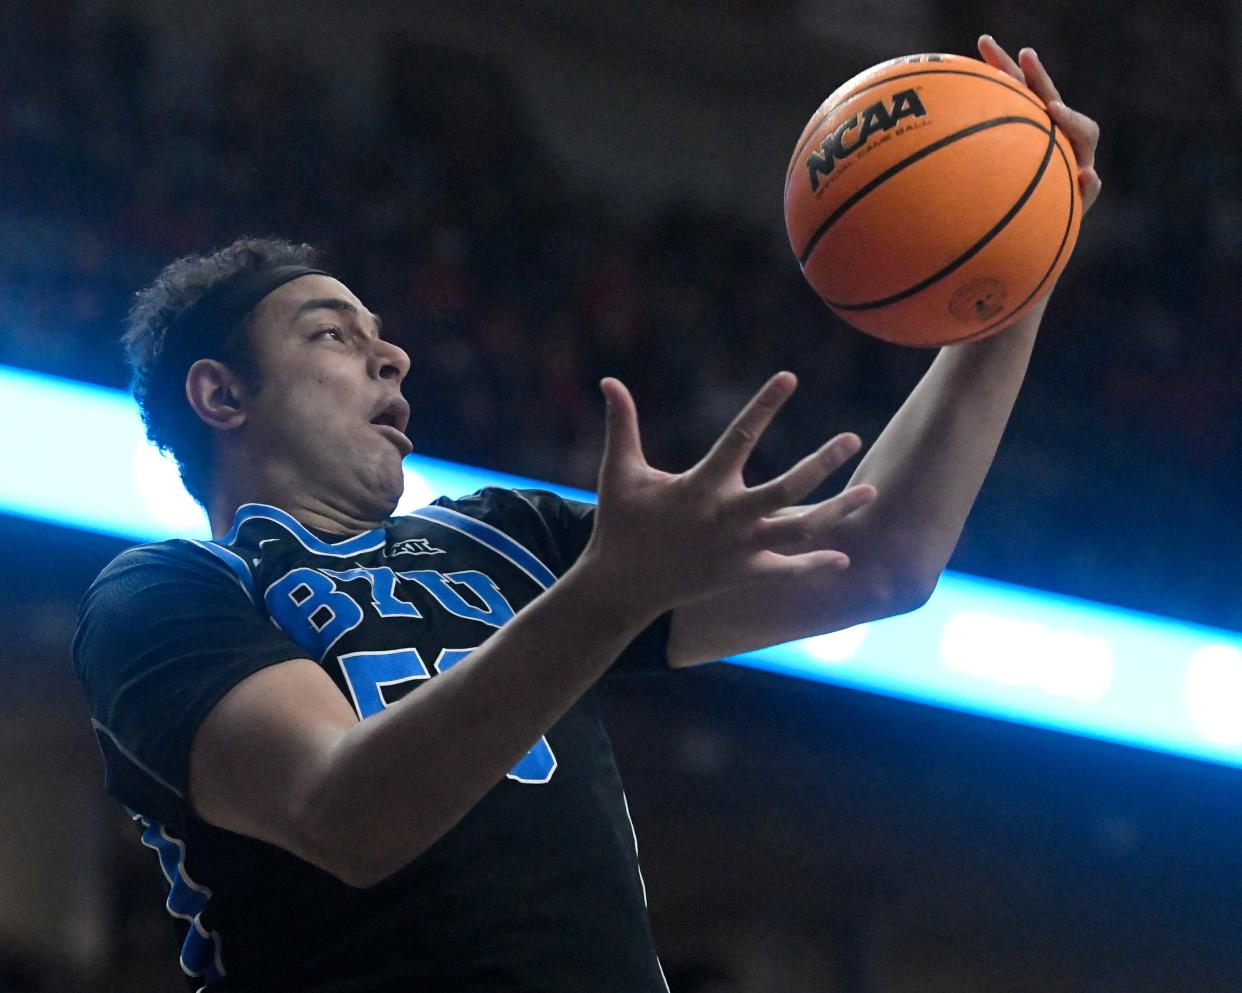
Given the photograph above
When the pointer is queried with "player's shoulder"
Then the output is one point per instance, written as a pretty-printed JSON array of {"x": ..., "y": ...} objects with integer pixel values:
[
  {"x": 155, "y": 573},
  {"x": 138, "y": 587},
  {"x": 552, "y": 527},
  {"x": 177, "y": 556},
  {"x": 499, "y": 505}
]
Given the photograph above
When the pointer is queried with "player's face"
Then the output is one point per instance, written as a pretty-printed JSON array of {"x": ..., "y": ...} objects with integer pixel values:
[{"x": 328, "y": 423}]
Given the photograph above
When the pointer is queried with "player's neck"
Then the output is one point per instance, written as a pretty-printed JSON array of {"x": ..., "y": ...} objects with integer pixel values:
[
  {"x": 317, "y": 519},
  {"x": 312, "y": 510}
]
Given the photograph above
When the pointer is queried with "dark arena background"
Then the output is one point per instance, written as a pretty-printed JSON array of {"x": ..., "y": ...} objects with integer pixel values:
[{"x": 535, "y": 194}]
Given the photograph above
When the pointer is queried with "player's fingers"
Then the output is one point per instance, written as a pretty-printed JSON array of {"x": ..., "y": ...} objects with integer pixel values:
[
  {"x": 733, "y": 448},
  {"x": 1037, "y": 77},
  {"x": 834, "y": 510},
  {"x": 795, "y": 483},
  {"x": 1083, "y": 133},
  {"x": 996, "y": 56},
  {"x": 812, "y": 528},
  {"x": 769, "y": 567},
  {"x": 1091, "y": 185},
  {"x": 623, "y": 448}
]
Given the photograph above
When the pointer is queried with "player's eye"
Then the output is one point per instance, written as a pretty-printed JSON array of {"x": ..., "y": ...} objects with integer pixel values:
[{"x": 330, "y": 332}]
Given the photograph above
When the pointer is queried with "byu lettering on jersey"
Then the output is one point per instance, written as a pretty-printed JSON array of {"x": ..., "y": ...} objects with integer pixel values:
[{"x": 536, "y": 889}]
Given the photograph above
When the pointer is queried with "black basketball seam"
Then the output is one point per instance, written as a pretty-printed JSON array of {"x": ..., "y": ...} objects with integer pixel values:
[
  {"x": 892, "y": 170},
  {"x": 974, "y": 249},
  {"x": 1069, "y": 223},
  {"x": 888, "y": 79}
]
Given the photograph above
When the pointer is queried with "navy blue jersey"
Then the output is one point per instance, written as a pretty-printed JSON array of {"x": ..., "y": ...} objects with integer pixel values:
[{"x": 536, "y": 889}]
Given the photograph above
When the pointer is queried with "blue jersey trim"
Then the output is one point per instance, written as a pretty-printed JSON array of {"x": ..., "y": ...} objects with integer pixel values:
[
  {"x": 236, "y": 565},
  {"x": 200, "y": 953},
  {"x": 365, "y": 542},
  {"x": 494, "y": 539}
]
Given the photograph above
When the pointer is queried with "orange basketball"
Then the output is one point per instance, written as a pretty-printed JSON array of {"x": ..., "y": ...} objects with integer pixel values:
[{"x": 931, "y": 200}]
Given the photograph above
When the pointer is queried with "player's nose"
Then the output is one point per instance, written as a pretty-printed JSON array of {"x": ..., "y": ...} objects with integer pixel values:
[{"x": 388, "y": 361}]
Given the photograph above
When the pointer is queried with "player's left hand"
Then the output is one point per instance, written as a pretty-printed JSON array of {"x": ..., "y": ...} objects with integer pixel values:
[{"x": 1083, "y": 133}]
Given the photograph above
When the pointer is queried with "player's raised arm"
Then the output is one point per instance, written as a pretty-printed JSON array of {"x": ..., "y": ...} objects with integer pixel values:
[
  {"x": 283, "y": 758},
  {"x": 926, "y": 467}
]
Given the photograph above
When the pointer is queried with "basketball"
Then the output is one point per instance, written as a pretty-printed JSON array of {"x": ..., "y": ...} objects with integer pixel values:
[{"x": 931, "y": 200}]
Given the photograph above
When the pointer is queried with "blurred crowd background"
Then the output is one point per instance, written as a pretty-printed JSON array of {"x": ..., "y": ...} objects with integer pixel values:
[{"x": 535, "y": 195}]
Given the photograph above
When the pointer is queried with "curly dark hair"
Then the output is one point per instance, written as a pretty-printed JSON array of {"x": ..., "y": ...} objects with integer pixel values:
[{"x": 159, "y": 377}]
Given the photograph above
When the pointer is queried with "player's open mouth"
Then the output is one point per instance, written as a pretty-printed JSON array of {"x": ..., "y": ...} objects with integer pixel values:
[
  {"x": 393, "y": 417},
  {"x": 393, "y": 412}
]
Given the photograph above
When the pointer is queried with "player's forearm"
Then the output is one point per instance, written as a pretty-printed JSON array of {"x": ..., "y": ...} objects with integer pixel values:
[
  {"x": 398, "y": 781},
  {"x": 931, "y": 459}
]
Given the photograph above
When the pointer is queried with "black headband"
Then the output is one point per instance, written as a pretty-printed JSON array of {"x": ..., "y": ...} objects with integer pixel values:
[{"x": 224, "y": 305}]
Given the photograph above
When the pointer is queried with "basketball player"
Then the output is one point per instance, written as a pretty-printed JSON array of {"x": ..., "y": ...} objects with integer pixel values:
[{"x": 366, "y": 749}]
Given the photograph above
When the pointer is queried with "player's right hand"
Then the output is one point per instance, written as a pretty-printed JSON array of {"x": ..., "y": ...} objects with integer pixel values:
[
  {"x": 664, "y": 540},
  {"x": 1083, "y": 133}
]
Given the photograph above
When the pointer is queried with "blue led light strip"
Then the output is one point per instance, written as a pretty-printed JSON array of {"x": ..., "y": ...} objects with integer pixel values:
[{"x": 77, "y": 455}]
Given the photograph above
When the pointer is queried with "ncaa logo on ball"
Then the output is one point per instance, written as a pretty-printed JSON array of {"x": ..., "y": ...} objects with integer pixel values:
[{"x": 854, "y": 132}]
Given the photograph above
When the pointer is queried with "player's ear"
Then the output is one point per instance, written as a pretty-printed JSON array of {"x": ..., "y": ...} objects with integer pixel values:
[{"x": 217, "y": 394}]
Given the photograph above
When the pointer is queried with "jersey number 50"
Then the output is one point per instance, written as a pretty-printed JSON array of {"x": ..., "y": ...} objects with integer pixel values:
[
  {"x": 308, "y": 606},
  {"x": 367, "y": 673}
]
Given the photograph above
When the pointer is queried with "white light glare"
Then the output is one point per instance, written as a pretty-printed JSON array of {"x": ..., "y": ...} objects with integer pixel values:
[
  {"x": 1060, "y": 662},
  {"x": 418, "y": 493},
  {"x": 839, "y": 646},
  {"x": 157, "y": 481},
  {"x": 1213, "y": 693}
]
